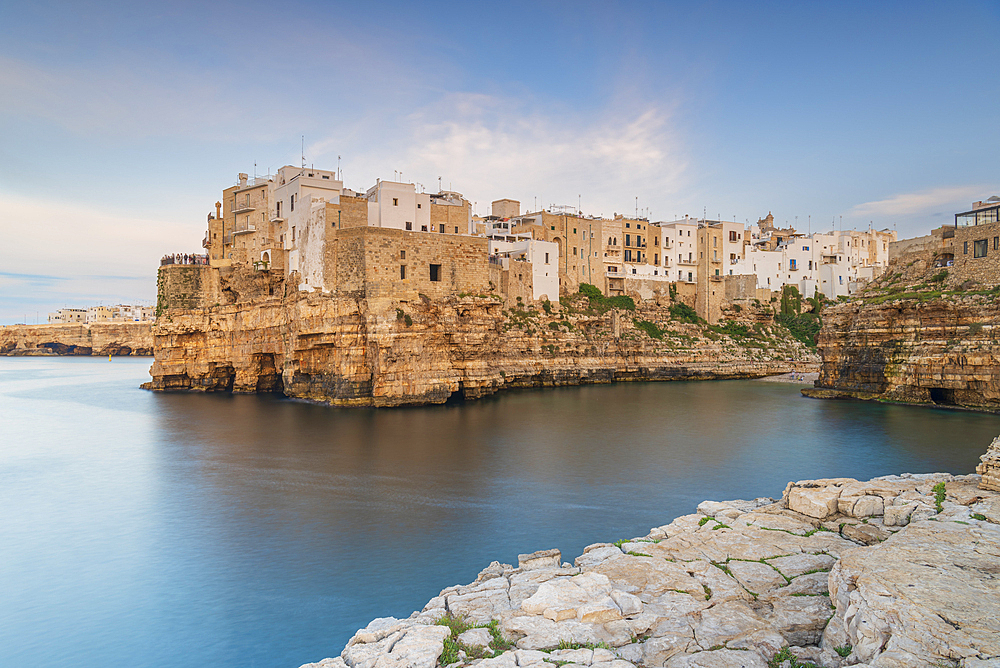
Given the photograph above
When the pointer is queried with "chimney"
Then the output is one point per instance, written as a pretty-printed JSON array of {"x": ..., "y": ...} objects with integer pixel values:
[{"x": 218, "y": 210}]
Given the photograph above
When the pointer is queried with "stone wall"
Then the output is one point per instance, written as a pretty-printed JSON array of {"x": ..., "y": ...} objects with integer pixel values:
[
  {"x": 370, "y": 260},
  {"x": 99, "y": 339},
  {"x": 967, "y": 267},
  {"x": 515, "y": 284},
  {"x": 180, "y": 286}
]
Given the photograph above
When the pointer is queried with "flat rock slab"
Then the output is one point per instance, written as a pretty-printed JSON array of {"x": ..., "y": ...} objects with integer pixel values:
[{"x": 929, "y": 593}]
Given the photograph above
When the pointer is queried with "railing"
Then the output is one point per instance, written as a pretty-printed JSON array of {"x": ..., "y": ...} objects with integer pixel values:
[
  {"x": 206, "y": 242},
  {"x": 734, "y": 260},
  {"x": 183, "y": 258},
  {"x": 242, "y": 207},
  {"x": 689, "y": 262},
  {"x": 241, "y": 228}
]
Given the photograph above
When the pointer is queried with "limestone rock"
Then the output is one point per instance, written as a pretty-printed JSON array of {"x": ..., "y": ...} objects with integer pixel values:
[
  {"x": 929, "y": 593},
  {"x": 476, "y": 637},
  {"x": 720, "y": 658},
  {"x": 989, "y": 469},
  {"x": 540, "y": 559},
  {"x": 818, "y": 502}
]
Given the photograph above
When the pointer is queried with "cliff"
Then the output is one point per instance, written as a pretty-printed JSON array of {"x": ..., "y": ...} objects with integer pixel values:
[
  {"x": 99, "y": 338},
  {"x": 895, "y": 572},
  {"x": 911, "y": 340},
  {"x": 349, "y": 349}
]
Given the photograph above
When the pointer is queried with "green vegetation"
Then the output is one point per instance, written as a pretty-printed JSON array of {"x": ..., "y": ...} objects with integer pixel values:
[
  {"x": 939, "y": 493},
  {"x": 786, "y": 655},
  {"x": 979, "y": 516},
  {"x": 600, "y": 304},
  {"x": 940, "y": 276},
  {"x": 458, "y": 626},
  {"x": 708, "y": 592},
  {"x": 684, "y": 313},
  {"x": 843, "y": 650},
  {"x": 547, "y": 306},
  {"x": 703, "y": 521},
  {"x": 651, "y": 328}
]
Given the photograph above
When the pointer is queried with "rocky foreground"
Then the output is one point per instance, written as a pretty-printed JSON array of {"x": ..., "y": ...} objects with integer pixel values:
[{"x": 896, "y": 571}]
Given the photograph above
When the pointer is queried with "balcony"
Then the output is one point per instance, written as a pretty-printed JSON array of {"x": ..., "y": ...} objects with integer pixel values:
[
  {"x": 734, "y": 260},
  {"x": 688, "y": 262},
  {"x": 244, "y": 228},
  {"x": 206, "y": 242},
  {"x": 242, "y": 207}
]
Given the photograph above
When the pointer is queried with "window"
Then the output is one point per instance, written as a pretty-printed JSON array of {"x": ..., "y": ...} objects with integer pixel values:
[
  {"x": 996, "y": 243},
  {"x": 628, "y": 239},
  {"x": 402, "y": 255},
  {"x": 628, "y": 225},
  {"x": 690, "y": 277},
  {"x": 841, "y": 279},
  {"x": 979, "y": 248},
  {"x": 732, "y": 235},
  {"x": 553, "y": 228},
  {"x": 291, "y": 203},
  {"x": 441, "y": 229},
  {"x": 423, "y": 228},
  {"x": 628, "y": 255},
  {"x": 574, "y": 251},
  {"x": 395, "y": 201},
  {"x": 409, "y": 225},
  {"x": 435, "y": 272},
  {"x": 791, "y": 265},
  {"x": 456, "y": 229},
  {"x": 574, "y": 230},
  {"x": 965, "y": 248},
  {"x": 715, "y": 241},
  {"x": 546, "y": 258},
  {"x": 402, "y": 272},
  {"x": 418, "y": 206},
  {"x": 716, "y": 272},
  {"x": 810, "y": 264}
]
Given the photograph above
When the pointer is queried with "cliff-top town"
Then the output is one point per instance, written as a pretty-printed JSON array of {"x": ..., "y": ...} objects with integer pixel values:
[{"x": 394, "y": 239}]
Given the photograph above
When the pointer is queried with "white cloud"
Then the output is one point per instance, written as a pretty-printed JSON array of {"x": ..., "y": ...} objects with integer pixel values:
[
  {"x": 488, "y": 147},
  {"x": 922, "y": 203}
]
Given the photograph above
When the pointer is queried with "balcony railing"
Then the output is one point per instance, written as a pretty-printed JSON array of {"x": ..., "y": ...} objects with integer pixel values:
[
  {"x": 183, "y": 258},
  {"x": 243, "y": 228},
  {"x": 243, "y": 207}
]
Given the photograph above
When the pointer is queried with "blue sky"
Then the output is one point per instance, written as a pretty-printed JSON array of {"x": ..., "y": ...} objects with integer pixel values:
[{"x": 121, "y": 124}]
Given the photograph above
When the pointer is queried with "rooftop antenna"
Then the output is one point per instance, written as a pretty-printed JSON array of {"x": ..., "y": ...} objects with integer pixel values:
[
  {"x": 303, "y": 151},
  {"x": 439, "y": 184},
  {"x": 637, "y": 207}
]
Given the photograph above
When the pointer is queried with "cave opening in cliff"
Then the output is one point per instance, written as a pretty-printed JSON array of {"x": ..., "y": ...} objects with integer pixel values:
[
  {"x": 943, "y": 396},
  {"x": 268, "y": 377}
]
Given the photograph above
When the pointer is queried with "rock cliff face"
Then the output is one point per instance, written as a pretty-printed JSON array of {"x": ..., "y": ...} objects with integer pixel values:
[
  {"x": 383, "y": 352},
  {"x": 942, "y": 351},
  {"x": 896, "y": 572},
  {"x": 101, "y": 338}
]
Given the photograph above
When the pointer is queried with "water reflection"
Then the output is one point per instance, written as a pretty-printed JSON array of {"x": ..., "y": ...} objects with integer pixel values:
[{"x": 182, "y": 530}]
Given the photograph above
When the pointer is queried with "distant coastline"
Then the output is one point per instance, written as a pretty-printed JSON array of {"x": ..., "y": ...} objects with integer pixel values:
[{"x": 98, "y": 339}]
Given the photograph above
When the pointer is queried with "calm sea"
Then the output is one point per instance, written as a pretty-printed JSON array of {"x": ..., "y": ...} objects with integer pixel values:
[{"x": 141, "y": 529}]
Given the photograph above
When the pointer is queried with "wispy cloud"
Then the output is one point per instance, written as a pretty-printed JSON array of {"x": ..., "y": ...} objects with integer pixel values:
[
  {"x": 489, "y": 147},
  {"x": 933, "y": 201}
]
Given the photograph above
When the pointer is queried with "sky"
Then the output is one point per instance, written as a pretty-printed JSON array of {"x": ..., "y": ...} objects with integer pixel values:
[{"x": 121, "y": 124}]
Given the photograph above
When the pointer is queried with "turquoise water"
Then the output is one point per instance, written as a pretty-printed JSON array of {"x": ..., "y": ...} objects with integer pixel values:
[{"x": 143, "y": 529}]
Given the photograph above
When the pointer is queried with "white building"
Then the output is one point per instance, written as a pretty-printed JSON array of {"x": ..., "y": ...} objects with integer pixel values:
[
  {"x": 542, "y": 256},
  {"x": 398, "y": 205}
]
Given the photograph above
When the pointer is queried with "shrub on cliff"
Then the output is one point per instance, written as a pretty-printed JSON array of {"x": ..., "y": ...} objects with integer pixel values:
[
  {"x": 803, "y": 326},
  {"x": 684, "y": 313},
  {"x": 600, "y": 303}
]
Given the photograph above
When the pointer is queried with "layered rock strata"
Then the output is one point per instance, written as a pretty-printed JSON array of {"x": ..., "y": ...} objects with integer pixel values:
[
  {"x": 899, "y": 571},
  {"x": 366, "y": 351},
  {"x": 989, "y": 468},
  {"x": 99, "y": 338},
  {"x": 941, "y": 352}
]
